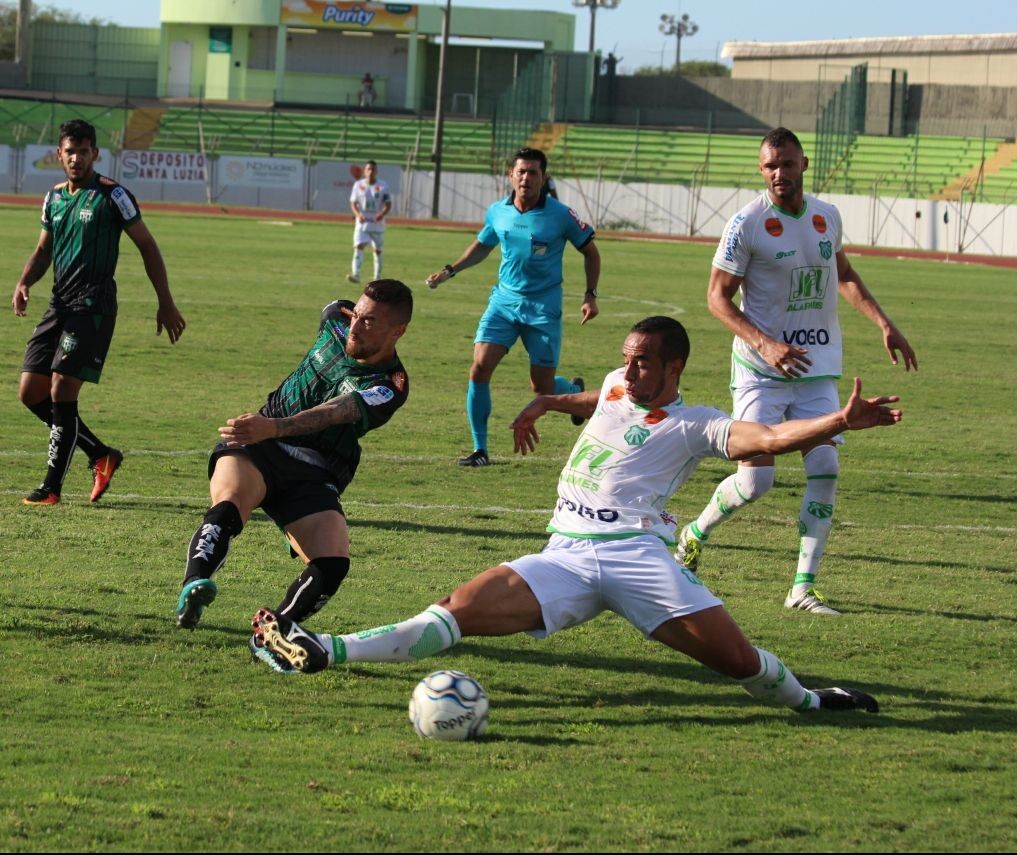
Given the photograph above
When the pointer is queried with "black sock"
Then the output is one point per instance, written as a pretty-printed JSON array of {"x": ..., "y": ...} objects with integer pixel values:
[
  {"x": 63, "y": 436},
  {"x": 313, "y": 588},
  {"x": 211, "y": 542},
  {"x": 88, "y": 442}
]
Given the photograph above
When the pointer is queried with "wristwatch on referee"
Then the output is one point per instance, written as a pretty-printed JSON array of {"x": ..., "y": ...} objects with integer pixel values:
[{"x": 591, "y": 292}]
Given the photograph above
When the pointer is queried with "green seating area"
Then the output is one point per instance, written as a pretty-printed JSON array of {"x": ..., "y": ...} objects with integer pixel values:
[
  {"x": 324, "y": 136},
  {"x": 655, "y": 155},
  {"x": 36, "y": 122},
  {"x": 918, "y": 167}
]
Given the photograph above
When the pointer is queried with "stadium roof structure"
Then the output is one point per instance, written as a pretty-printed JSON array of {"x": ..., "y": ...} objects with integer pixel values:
[{"x": 883, "y": 45}]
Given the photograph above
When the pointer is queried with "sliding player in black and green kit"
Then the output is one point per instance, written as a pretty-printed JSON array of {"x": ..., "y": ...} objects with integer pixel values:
[
  {"x": 82, "y": 220},
  {"x": 295, "y": 457}
]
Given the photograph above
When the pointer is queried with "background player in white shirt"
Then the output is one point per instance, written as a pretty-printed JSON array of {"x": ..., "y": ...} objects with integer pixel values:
[
  {"x": 611, "y": 542},
  {"x": 370, "y": 202},
  {"x": 784, "y": 251}
]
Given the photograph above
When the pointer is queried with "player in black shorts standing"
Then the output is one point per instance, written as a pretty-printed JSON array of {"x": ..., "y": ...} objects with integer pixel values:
[
  {"x": 82, "y": 219},
  {"x": 295, "y": 456}
]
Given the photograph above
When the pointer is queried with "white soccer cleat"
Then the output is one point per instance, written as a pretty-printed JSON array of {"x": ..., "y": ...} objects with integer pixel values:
[{"x": 810, "y": 601}]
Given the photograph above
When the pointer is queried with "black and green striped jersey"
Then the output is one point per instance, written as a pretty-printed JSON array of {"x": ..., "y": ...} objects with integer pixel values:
[
  {"x": 325, "y": 373},
  {"x": 86, "y": 228}
]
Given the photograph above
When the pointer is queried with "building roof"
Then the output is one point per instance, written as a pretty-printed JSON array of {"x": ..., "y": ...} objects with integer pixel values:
[{"x": 988, "y": 43}]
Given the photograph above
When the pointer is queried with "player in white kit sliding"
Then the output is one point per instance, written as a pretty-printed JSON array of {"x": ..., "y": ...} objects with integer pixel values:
[{"x": 611, "y": 540}]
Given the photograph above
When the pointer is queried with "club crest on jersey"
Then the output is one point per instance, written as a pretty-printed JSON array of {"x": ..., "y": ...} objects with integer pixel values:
[
  {"x": 819, "y": 223},
  {"x": 85, "y": 215},
  {"x": 636, "y": 435},
  {"x": 826, "y": 249},
  {"x": 774, "y": 227}
]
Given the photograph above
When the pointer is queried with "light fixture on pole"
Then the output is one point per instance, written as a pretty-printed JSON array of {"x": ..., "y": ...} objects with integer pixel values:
[
  {"x": 593, "y": 5},
  {"x": 439, "y": 109},
  {"x": 678, "y": 27}
]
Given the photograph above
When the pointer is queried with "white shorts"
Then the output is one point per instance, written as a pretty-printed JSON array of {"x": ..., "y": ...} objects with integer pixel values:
[
  {"x": 575, "y": 579},
  {"x": 373, "y": 233},
  {"x": 770, "y": 402}
]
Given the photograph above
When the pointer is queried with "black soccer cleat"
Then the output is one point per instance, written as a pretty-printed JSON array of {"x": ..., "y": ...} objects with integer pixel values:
[
  {"x": 839, "y": 700},
  {"x": 290, "y": 644},
  {"x": 578, "y": 381},
  {"x": 478, "y": 458}
]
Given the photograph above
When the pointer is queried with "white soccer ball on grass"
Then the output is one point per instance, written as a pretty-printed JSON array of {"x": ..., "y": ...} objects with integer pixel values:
[{"x": 448, "y": 705}]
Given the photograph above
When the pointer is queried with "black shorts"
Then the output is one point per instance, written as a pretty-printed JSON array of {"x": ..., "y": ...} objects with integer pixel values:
[
  {"x": 71, "y": 344},
  {"x": 295, "y": 489}
]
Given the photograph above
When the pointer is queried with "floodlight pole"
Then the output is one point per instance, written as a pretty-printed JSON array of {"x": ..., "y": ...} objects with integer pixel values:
[
  {"x": 592, "y": 6},
  {"x": 439, "y": 110}
]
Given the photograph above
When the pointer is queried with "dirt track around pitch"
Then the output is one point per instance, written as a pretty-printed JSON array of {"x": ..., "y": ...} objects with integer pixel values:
[{"x": 216, "y": 210}]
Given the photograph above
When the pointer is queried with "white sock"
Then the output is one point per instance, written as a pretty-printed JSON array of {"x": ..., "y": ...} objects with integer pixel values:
[
  {"x": 775, "y": 683},
  {"x": 358, "y": 261},
  {"x": 815, "y": 518},
  {"x": 733, "y": 493},
  {"x": 428, "y": 633},
  {"x": 377, "y": 265}
]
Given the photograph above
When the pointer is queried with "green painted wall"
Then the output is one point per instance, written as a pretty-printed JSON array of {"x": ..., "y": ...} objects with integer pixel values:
[{"x": 236, "y": 12}]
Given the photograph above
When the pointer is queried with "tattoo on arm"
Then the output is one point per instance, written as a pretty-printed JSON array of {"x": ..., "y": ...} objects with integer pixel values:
[{"x": 342, "y": 410}]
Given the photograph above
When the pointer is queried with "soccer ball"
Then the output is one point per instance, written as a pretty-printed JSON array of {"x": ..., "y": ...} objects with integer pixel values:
[{"x": 448, "y": 705}]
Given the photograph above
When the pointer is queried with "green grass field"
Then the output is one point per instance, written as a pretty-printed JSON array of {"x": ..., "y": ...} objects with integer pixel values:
[{"x": 121, "y": 732}]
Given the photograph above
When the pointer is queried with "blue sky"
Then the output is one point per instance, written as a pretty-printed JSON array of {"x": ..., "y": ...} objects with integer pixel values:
[{"x": 631, "y": 30}]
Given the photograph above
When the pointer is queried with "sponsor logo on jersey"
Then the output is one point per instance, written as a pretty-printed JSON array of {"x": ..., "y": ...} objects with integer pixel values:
[
  {"x": 804, "y": 337},
  {"x": 399, "y": 380},
  {"x": 783, "y": 254},
  {"x": 582, "y": 225},
  {"x": 819, "y": 223},
  {"x": 123, "y": 201},
  {"x": 774, "y": 227},
  {"x": 616, "y": 393},
  {"x": 655, "y": 417},
  {"x": 600, "y": 514},
  {"x": 808, "y": 288},
  {"x": 377, "y": 395},
  {"x": 826, "y": 249},
  {"x": 731, "y": 237},
  {"x": 636, "y": 435}
]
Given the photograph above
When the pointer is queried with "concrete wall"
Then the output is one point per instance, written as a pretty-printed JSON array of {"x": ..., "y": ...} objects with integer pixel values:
[{"x": 727, "y": 104}]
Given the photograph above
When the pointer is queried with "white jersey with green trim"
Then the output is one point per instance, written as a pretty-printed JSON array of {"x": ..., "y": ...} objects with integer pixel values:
[
  {"x": 790, "y": 284},
  {"x": 629, "y": 461}
]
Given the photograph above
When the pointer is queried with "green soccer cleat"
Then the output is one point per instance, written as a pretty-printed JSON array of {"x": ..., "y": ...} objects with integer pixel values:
[
  {"x": 193, "y": 599},
  {"x": 689, "y": 549}
]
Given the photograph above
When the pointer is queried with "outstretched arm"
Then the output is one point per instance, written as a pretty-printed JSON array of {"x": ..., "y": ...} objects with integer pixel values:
[
  {"x": 253, "y": 427},
  {"x": 35, "y": 268},
  {"x": 166, "y": 315},
  {"x": 854, "y": 291},
  {"x": 749, "y": 439},
  {"x": 524, "y": 427},
  {"x": 475, "y": 253}
]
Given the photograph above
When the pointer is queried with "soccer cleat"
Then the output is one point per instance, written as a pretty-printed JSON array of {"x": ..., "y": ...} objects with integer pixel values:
[
  {"x": 478, "y": 458},
  {"x": 839, "y": 700},
  {"x": 103, "y": 469},
  {"x": 352, "y": 277},
  {"x": 578, "y": 381},
  {"x": 193, "y": 599},
  {"x": 689, "y": 549},
  {"x": 263, "y": 654},
  {"x": 289, "y": 643},
  {"x": 41, "y": 495},
  {"x": 810, "y": 601}
]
